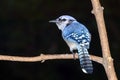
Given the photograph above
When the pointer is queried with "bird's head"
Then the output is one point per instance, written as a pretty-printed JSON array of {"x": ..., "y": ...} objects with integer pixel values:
[{"x": 63, "y": 21}]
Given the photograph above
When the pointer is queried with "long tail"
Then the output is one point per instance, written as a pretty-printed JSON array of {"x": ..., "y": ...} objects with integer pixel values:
[{"x": 85, "y": 61}]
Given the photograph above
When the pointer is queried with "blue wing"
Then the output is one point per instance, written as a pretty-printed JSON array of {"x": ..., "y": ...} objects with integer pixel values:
[{"x": 77, "y": 33}]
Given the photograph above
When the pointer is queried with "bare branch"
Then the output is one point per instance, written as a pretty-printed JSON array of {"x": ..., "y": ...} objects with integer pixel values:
[
  {"x": 43, "y": 57},
  {"x": 107, "y": 59}
]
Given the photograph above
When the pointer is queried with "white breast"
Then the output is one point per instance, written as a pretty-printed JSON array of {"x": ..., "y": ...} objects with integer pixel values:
[{"x": 72, "y": 45}]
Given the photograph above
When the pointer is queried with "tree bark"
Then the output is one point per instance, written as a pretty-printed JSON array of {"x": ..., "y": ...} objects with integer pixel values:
[{"x": 107, "y": 59}]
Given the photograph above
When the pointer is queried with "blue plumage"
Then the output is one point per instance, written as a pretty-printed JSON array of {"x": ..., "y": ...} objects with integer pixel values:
[
  {"x": 77, "y": 37},
  {"x": 76, "y": 32}
]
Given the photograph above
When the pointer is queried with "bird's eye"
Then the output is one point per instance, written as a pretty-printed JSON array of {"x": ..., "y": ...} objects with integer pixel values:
[{"x": 59, "y": 19}]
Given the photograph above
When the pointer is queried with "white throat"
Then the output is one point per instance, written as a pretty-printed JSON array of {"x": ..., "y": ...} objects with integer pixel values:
[{"x": 61, "y": 26}]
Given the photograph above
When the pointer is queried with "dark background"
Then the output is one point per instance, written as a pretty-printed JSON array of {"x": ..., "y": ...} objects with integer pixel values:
[{"x": 25, "y": 31}]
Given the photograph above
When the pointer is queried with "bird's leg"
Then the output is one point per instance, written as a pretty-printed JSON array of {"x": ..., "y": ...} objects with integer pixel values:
[
  {"x": 74, "y": 52},
  {"x": 74, "y": 56}
]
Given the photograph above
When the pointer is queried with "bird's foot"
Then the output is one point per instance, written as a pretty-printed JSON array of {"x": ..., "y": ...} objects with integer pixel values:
[
  {"x": 74, "y": 53},
  {"x": 74, "y": 56}
]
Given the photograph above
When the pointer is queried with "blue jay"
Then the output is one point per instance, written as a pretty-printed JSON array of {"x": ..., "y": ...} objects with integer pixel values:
[{"x": 78, "y": 38}]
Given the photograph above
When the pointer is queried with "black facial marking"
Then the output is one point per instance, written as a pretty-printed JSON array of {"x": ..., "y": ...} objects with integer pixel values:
[
  {"x": 70, "y": 21},
  {"x": 63, "y": 19}
]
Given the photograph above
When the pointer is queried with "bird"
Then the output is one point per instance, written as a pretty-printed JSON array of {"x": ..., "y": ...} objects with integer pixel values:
[{"x": 78, "y": 39}]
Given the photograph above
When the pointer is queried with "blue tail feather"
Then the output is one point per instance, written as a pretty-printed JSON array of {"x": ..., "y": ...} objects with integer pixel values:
[{"x": 85, "y": 61}]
